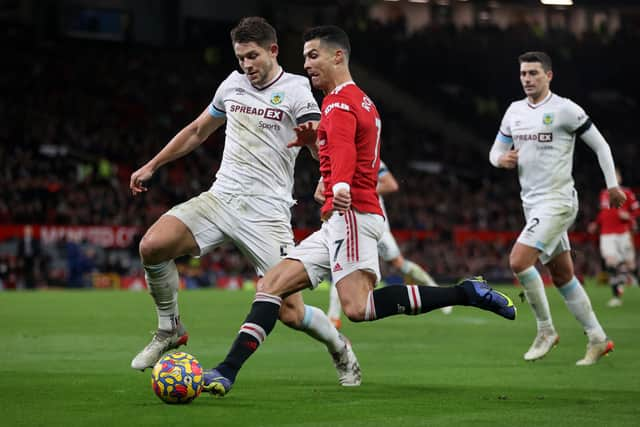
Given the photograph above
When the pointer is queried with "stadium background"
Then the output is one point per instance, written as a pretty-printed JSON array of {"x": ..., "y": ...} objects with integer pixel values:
[{"x": 94, "y": 88}]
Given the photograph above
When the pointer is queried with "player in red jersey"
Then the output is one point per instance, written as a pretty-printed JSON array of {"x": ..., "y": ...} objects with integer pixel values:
[
  {"x": 345, "y": 247},
  {"x": 616, "y": 240}
]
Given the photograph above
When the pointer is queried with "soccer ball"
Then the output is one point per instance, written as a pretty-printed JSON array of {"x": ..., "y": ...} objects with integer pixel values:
[{"x": 177, "y": 378}]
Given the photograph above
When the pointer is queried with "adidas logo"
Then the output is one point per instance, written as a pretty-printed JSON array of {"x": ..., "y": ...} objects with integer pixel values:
[{"x": 337, "y": 267}]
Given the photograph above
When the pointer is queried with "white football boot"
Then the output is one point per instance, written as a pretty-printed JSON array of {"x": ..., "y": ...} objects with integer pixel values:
[
  {"x": 595, "y": 351},
  {"x": 347, "y": 365},
  {"x": 544, "y": 342},
  {"x": 161, "y": 342}
]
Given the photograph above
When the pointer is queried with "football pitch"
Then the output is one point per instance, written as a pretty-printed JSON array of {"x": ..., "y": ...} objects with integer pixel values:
[{"x": 65, "y": 362}]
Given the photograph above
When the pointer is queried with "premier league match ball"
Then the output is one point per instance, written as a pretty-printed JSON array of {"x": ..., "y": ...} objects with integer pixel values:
[{"x": 177, "y": 378}]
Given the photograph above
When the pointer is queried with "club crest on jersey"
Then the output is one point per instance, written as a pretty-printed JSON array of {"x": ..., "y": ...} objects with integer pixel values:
[
  {"x": 277, "y": 98},
  {"x": 547, "y": 119}
]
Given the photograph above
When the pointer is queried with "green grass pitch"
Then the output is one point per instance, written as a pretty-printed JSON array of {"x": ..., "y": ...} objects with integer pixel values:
[{"x": 65, "y": 362}]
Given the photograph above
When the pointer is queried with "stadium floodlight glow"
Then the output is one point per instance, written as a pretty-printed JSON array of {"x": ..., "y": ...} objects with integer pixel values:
[
  {"x": 418, "y": 1},
  {"x": 557, "y": 2}
]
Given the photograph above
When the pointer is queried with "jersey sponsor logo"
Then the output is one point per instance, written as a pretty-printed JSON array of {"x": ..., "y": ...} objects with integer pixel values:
[
  {"x": 277, "y": 98},
  {"x": 340, "y": 105},
  {"x": 273, "y": 114},
  {"x": 366, "y": 103},
  {"x": 547, "y": 119},
  {"x": 267, "y": 113},
  {"x": 545, "y": 137}
]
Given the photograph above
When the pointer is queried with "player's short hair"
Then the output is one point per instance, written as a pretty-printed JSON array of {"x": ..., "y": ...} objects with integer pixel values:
[
  {"x": 540, "y": 57},
  {"x": 331, "y": 35},
  {"x": 254, "y": 29}
]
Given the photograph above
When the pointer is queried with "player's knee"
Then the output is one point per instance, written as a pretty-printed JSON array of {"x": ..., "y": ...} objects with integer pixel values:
[
  {"x": 149, "y": 251},
  {"x": 517, "y": 264},
  {"x": 354, "y": 311}
]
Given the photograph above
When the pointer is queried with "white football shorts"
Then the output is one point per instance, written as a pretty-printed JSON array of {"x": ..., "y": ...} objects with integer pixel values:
[
  {"x": 546, "y": 228},
  {"x": 617, "y": 248},
  {"x": 387, "y": 245},
  {"x": 259, "y": 227},
  {"x": 345, "y": 243}
]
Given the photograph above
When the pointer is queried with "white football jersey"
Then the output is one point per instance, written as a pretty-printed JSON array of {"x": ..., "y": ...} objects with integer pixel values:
[
  {"x": 545, "y": 135},
  {"x": 260, "y": 122}
]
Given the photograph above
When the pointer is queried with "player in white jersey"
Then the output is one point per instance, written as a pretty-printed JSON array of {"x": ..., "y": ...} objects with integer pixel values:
[
  {"x": 387, "y": 246},
  {"x": 538, "y": 135},
  {"x": 249, "y": 202}
]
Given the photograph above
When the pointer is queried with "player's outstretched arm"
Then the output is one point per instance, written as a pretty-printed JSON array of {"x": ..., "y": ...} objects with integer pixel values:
[
  {"x": 306, "y": 136},
  {"x": 184, "y": 142}
]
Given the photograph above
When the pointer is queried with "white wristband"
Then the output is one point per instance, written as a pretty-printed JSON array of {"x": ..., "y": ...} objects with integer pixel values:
[{"x": 340, "y": 186}]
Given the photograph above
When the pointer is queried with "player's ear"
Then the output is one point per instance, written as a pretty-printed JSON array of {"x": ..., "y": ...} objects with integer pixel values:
[
  {"x": 273, "y": 49},
  {"x": 339, "y": 57},
  {"x": 550, "y": 75}
]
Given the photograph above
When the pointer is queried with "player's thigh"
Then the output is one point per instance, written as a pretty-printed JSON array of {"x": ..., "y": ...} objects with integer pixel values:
[
  {"x": 313, "y": 254},
  {"x": 166, "y": 239},
  {"x": 286, "y": 278},
  {"x": 206, "y": 217},
  {"x": 388, "y": 246},
  {"x": 522, "y": 256},
  {"x": 546, "y": 228},
  {"x": 352, "y": 239}
]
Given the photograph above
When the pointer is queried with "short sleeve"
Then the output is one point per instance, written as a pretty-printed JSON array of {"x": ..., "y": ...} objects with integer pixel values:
[
  {"x": 505, "y": 132},
  {"x": 305, "y": 107},
  {"x": 216, "y": 107},
  {"x": 576, "y": 120}
]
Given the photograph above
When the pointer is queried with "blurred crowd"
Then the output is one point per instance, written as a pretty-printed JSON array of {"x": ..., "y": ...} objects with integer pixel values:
[{"x": 80, "y": 118}]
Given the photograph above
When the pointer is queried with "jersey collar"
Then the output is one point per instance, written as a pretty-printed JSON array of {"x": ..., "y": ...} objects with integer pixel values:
[
  {"x": 341, "y": 86},
  {"x": 541, "y": 103},
  {"x": 275, "y": 79}
]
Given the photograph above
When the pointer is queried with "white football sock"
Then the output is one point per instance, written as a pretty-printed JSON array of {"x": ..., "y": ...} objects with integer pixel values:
[
  {"x": 335, "y": 308},
  {"x": 318, "y": 325},
  {"x": 417, "y": 274},
  {"x": 163, "y": 282},
  {"x": 534, "y": 292},
  {"x": 579, "y": 304}
]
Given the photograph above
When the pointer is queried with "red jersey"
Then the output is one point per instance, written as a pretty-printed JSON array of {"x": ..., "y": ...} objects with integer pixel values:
[
  {"x": 609, "y": 218},
  {"x": 349, "y": 147}
]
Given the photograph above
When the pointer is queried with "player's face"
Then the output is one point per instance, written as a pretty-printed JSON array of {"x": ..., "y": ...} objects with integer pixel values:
[
  {"x": 318, "y": 63},
  {"x": 535, "y": 81},
  {"x": 258, "y": 63}
]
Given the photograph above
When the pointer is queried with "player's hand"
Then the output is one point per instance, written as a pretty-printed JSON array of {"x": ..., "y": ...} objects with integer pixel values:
[
  {"x": 342, "y": 200},
  {"x": 592, "y": 227},
  {"x": 138, "y": 178},
  {"x": 306, "y": 134},
  {"x": 616, "y": 197},
  {"x": 624, "y": 215},
  {"x": 509, "y": 160}
]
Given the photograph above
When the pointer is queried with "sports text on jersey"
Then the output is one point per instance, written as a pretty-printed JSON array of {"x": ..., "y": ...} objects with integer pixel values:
[
  {"x": 267, "y": 113},
  {"x": 340, "y": 105}
]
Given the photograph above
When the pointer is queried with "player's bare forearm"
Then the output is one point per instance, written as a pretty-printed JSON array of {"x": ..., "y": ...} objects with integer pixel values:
[
  {"x": 342, "y": 200},
  {"x": 319, "y": 193}
]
